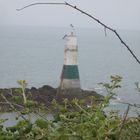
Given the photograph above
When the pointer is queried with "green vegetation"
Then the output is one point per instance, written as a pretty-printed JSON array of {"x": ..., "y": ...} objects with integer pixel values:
[{"x": 75, "y": 120}]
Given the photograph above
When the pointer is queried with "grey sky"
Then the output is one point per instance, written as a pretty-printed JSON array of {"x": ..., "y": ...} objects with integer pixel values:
[{"x": 123, "y": 14}]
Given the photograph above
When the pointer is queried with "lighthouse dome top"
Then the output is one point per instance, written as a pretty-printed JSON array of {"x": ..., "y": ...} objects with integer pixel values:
[
  {"x": 72, "y": 34},
  {"x": 69, "y": 35},
  {"x": 71, "y": 40}
]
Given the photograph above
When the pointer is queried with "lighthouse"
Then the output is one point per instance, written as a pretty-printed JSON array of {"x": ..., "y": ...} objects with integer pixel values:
[{"x": 70, "y": 74}]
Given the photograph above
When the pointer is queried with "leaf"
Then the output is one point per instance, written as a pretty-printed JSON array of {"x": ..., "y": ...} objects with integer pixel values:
[
  {"x": 30, "y": 103},
  {"x": 101, "y": 132},
  {"x": 12, "y": 129},
  {"x": 17, "y": 99},
  {"x": 41, "y": 123}
]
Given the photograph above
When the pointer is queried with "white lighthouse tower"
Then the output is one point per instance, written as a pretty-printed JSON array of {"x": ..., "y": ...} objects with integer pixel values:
[{"x": 70, "y": 74}]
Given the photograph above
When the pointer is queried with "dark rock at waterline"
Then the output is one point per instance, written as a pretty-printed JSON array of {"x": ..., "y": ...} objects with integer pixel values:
[
  {"x": 44, "y": 95},
  {"x": 77, "y": 93}
]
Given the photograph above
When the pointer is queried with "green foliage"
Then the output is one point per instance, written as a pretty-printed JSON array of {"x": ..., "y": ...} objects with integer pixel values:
[
  {"x": 23, "y": 85},
  {"x": 114, "y": 83},
  {"x": 131, "y": 129},
  {"x": 30, "y": 103},
  {"x": 110, "y": 88},
  {"x": 86, "y": 122},
  {"x": 17, "y": 99},
  {"x": 75, "y": 120},
  {"x": 41, "y": 123}
]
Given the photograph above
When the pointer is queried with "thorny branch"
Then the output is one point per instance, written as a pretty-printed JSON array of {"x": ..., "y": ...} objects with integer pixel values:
[{"x": 95, "y": 19}]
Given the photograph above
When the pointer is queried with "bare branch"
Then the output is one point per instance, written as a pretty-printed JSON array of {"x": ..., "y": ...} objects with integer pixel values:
[
  {"x": 40, "y": 115},
  {"x": 12, "y": 106},
  {"x": 33, "y": 4},
  {"x": 8, "y": 103},
  {"x": 124, "y": 120},
  {"x": 133, "y": 105},
  {"x": 95, "y": 19}
]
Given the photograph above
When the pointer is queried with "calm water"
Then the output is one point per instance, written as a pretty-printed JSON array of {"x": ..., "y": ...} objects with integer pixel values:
[{"x": 36, "y": 55}]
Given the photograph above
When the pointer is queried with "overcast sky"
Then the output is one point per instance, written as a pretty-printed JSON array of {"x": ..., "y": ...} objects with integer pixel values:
[{"x": 120, "y": 14}]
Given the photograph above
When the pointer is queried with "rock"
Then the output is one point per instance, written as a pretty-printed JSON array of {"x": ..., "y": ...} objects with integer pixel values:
[{"x": 45, "y": 95}]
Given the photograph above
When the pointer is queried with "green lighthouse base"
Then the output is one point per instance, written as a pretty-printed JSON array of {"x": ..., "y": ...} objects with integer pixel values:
[{"x": 70, "y": 77}]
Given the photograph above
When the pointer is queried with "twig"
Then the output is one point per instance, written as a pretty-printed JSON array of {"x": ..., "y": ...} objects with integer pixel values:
[
  {"x": 124, "y": 120},
  {"x": 133, "y": 105},
  {"x": 33, "y": 4},
  {"x": 11, "y": 105},
  {"x": 41, "y": 116},
  {"x": 92, "y": 17}
]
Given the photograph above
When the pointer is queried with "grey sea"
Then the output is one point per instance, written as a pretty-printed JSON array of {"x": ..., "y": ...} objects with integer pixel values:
[{"x": 36, "y": 55}]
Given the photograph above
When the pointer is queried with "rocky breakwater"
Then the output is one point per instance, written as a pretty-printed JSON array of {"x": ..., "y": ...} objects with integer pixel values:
[{"x": 43, "y": 95}]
